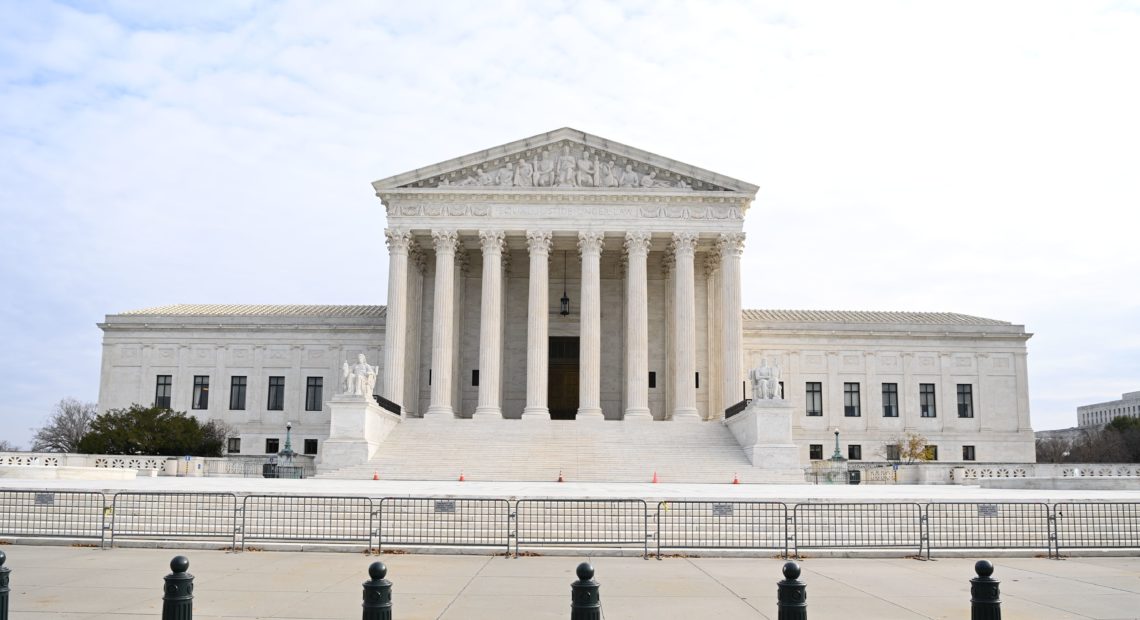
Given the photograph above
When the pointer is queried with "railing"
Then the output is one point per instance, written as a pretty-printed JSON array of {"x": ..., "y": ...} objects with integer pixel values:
[
  {"x": 737, "y": 408},
  {"x": 491, "y": 523},
  {"x": 174, "y": 516},
  {"x": 306, "y": 519},
  {"x": 722, "y": 525},
  {"x": 387, "y": 404},
  {"x": 446, "y": 522},
  {"x": 52, "y": 514},
  {"x": 582, "y": 523}
]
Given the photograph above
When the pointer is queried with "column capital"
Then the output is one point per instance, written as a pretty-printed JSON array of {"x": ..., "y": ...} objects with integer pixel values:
[
  {"x": 399, "y": 240},
  {"x": 730, "y": 244},
  {"x": 683, "y": 243},
  {"x": 591, "y": 242},
  {"x": 538, "y": 241},
  {"x": 637, "y": 242},
  {"x": 416, "y": 257},
  {"x": 445, "y": 240},
  {"x": 462, "y": 263},
  {"x": 712, "y": 262},
  {"x": 491, "y": 241}
]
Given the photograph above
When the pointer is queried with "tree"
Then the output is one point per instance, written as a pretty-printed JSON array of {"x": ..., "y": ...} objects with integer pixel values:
[
  {"x": 910, "y": 447},
  {"x": 153, "y": 431},
  {"x": 67, "y": 425},
  {"x": 7, "y": 446}
]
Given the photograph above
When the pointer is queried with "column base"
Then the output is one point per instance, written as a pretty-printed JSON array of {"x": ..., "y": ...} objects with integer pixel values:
[
  {"x": 536, "y": 413},
  {"x": 438, "y": 413},
  {"x": 639, "y": 414},
  {"x": 686, "y": 415},
  {"x": 590, "y": 414},
  {"x": 487, "y": 413}
]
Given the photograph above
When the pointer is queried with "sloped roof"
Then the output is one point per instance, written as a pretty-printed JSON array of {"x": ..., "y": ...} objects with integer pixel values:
[
  {"x": 867, "y": 317},
  {"x": 287, "y": 310}
]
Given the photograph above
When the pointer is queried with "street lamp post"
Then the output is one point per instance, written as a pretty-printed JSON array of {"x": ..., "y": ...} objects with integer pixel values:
[{"x": 837, "y": 456}]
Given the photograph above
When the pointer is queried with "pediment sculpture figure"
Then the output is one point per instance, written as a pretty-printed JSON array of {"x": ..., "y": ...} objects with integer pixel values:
[
  {"x": 765, "y": 381},
  {"x": 359, "y": 379}
]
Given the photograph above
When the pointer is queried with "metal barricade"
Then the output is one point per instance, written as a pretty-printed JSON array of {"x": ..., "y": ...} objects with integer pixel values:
[
  {"x": 994, "y": 525},
  {"x": 53, "y": 514},
  {"x": 306, "y": 519},
  {"x": 181, "y": 516},
  {"x": 582, "y": 523},
  {"x": 1096, "y": 525},
  {"x": 448, "y": 522},
  {"x": 857, "y": 526},
  {"x": 722, "y": 525}
]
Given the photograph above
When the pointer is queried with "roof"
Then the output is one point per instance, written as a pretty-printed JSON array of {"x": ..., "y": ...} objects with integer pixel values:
[
  {"x": 867, "y": 317},
  {"x": 266, "y": 310}
]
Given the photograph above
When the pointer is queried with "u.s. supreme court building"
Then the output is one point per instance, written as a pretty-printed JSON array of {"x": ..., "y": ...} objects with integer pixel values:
[{"x": 571, "y": 281}]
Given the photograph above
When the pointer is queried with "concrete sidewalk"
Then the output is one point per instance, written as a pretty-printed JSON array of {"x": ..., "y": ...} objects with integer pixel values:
[{"x": 69, "y": 583}]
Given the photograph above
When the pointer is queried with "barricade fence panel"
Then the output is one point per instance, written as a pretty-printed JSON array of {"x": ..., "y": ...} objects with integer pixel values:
[
  {"x": 1097, "y": 525},
  {"x": 53, "y": 514},
  {"x": 444, "y": 521},
  {"x": 579, "y": 522},
  {"x": 307, "y": 519},
  {"x": 988, "y": 525},
  {"x": 722, "y": 525},
  {"x": 174, "y": 516},
  {"x": 857, "y": 526}
]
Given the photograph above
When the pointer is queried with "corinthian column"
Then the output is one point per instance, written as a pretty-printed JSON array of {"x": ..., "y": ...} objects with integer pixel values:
[
  {"x": 637, "y": 327},
  {"x": 442, "y": 344},
  {"x": 730, "y": 246},
  {"x": 395, "y": 322},
  {"x": 537, "y": 340},
  {"x": 590, "y": 371},
  {"x": 684, "y": 324},
  {"x": 490, "y": 326}
]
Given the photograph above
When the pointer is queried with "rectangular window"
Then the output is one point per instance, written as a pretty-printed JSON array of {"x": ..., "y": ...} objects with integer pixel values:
[
  {"x": 890, "y": 400},
  {"x": 475, "y": 377},
  {"x": 855, "y": 452},
  {"x": 271, "y": 446},
  {"x": 697, "y": 380},
  {"x": 276, "y": 400},
  {"x": 652, "y": 379},
  {"x": 814, "y": 395},
  {"x": 310, "y": 446},
  {"x": 851, "y": 400},
  {"x": 233, "y": 445},
  {"x": 967, "y": 453},
  {"x": 893, "y": 453},
  {"x": 931, "y": 453},
  {"x": 201, "y": 398},
  {"x": 237, "y": 393},
  {"x": 926, "y": 400},
  {"x": 815, "y": 451},
  {"x": 314, "y": 391},
  {"x": 162, "y": 392},
  {"x": 781, "y": 390},
  {"x": 965, "y": 400}
]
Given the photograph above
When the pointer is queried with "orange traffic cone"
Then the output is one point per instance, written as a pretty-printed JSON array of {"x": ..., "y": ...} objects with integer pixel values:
[
  {"x": 375, "y": 475},
  {"x": 461, "y": 478},
  {"x": 655, "y": 477},
  {"x": 735, "y": 479},
  {"x": 560, "y": 476}
]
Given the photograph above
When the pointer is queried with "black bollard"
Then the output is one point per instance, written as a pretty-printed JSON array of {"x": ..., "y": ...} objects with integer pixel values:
[
  {"x": 791, "y": 595},
  {"x": 178, "y": 593},
  {"x": 585, "y": 603},
  {"x": 377, "y": 594},
  {"x": 5, "y": 572},
  {"x": 985, "y": 599}
]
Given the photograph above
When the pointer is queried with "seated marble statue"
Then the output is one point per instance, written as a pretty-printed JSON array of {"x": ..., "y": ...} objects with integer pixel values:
[
  {"x": 765, "y": 381},
  {"x": 360, "y": 378}
]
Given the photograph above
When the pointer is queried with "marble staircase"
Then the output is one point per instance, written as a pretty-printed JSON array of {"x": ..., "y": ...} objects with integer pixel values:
[{"x": 518, "y": 450}]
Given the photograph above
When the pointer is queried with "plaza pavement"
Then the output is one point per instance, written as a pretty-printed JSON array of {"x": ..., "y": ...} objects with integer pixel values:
[{"x": 75, "y": 583}]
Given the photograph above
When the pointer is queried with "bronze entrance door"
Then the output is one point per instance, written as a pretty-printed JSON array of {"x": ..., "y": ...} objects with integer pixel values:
[{"x": 562, "y": 397}]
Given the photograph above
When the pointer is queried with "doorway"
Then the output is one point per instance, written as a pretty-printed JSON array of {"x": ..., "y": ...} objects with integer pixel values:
[{"x": 562, "y": 378}]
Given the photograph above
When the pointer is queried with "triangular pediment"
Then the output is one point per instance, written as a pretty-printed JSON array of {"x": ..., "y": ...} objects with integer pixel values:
[{"x": 563, "y": 159}]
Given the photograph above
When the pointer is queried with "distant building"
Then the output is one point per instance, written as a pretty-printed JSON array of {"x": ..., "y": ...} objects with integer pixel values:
[{"x": 1103, "y": 413}]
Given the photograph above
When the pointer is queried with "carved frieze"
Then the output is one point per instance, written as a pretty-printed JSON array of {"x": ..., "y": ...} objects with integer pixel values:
[{"x": 677, "y": 212}]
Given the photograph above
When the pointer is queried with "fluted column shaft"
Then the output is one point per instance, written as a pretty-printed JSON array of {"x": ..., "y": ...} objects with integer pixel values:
[
  {"x": 684, "y": 325},
  {"x": 590, "y": 362},
  {"x": 491, "y": 326},
  {"x": 537, "y": 331},
  {"x": 730, "y": 246},
  {"x": 637, "y": 327},
  {"x": 395, "y": 323},
  {"x": 442, "y": 343}
]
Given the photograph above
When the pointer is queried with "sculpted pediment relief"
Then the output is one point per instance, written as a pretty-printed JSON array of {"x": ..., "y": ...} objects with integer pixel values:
[{"x": 565, "y": 159}]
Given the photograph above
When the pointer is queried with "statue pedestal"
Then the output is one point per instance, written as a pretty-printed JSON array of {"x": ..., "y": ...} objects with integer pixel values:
[
  {"x": 357, "y": 427},
  {"x": 764, "y": 432}
]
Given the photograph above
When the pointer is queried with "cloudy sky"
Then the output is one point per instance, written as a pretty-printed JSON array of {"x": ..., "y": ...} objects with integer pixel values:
[{"x": 974, "y": 157}]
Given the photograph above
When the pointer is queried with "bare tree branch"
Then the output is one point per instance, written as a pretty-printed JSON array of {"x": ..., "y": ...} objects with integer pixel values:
[
  {"x": 7, "y": 446},
  {"x": 66, "y": 426}
]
